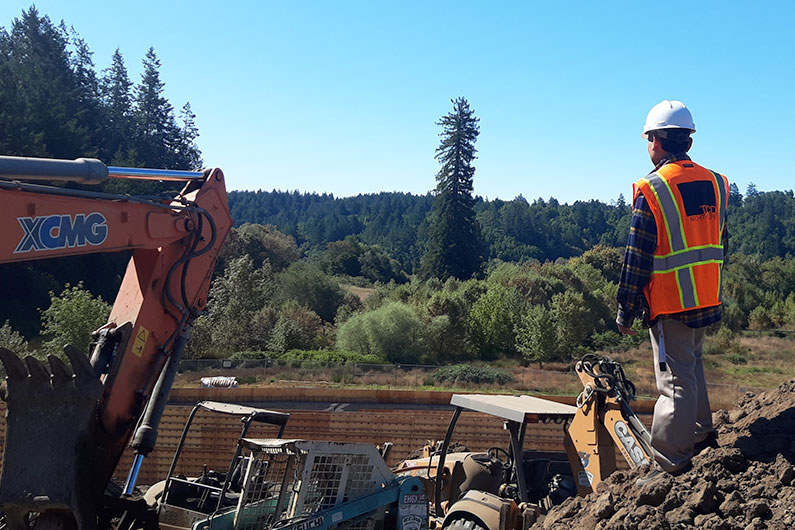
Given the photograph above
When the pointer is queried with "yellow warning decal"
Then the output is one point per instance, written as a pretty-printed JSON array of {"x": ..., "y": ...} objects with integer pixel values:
[{"x": 140, "y": 341}]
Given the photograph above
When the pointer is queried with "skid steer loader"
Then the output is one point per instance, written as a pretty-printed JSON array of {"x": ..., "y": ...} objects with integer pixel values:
[
  {"x": 179, "y": 501},
  {"x": 278, "y": 483}
]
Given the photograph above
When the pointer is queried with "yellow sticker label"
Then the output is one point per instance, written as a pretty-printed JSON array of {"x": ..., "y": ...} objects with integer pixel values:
[{"x": 140, "y": 341}]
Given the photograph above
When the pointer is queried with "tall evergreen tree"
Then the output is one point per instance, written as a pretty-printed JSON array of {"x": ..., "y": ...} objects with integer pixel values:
[
  {"x": 117, "y": 97},
  {"x": 91, "y": 110},
  {"x": 455, "y": 244},
  {"x": 188, "y": 150},
  {"x": 735, "y": 197},
  {"x": 154, "y": 115},
  {"x": 160, "y": 140}
]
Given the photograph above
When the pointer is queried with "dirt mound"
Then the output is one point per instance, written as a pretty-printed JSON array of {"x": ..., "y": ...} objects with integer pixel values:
[{"x": 748, "y": 483}]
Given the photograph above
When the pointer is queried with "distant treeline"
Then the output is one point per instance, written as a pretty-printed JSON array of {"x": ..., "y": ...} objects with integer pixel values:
[{"x": 760, "y": 223}]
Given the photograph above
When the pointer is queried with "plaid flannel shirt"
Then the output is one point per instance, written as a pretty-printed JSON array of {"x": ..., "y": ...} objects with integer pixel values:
[{"x": 637, "y": 268}]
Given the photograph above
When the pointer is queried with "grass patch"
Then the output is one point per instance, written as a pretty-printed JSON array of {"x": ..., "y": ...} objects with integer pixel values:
[
  {"x": 361, "y": 292},
  {"x": 749, "y": 370},
  {"x": 747, "y": 361}
]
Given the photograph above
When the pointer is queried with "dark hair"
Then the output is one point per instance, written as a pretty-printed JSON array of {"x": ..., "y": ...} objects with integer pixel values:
[{"x": 676, "y": 141}]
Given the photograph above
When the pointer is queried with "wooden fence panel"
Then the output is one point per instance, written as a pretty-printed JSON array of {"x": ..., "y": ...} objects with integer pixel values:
[{"x": 213, "y": 437}]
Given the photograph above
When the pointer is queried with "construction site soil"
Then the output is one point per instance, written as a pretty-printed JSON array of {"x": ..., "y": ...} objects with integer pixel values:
[{"x": 746, "y": 483}]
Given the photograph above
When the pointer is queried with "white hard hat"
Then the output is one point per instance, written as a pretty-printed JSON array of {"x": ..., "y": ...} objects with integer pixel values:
[{"x": 668, "y": 115}]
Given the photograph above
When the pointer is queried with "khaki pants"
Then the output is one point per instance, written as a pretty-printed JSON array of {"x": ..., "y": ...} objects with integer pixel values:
[{"x": 682, "y": 414}]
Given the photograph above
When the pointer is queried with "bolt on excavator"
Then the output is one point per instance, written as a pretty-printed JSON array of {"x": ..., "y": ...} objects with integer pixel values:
[{"x": 67, "y": 424}]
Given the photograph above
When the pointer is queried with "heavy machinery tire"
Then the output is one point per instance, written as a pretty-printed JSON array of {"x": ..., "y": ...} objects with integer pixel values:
[{"x": 463, "y": 524}]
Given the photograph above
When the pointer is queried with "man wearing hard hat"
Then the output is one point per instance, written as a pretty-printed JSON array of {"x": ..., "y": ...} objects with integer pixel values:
[{"x": 671, "y": 279}]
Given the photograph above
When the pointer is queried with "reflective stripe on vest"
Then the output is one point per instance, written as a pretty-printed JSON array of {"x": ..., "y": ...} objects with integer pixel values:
[
  {"x": 671, "y": 214},
  {"x": 721, "y": 198}
]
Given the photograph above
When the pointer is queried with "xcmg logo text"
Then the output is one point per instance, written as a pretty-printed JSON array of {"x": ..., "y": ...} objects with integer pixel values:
[{"x": 52, "y": 232}]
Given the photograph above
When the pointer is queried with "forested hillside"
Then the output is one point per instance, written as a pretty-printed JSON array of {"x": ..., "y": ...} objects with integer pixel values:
[
  {"x": 395, "y": 221},
  {"x": 761, "y": 223}
]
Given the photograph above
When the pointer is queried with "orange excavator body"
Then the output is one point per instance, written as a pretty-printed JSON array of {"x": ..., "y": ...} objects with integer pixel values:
[{"x": 67, "y": 429}]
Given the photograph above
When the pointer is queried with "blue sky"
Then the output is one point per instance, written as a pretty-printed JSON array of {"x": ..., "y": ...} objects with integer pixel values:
[{"x": 342, "y": 97}]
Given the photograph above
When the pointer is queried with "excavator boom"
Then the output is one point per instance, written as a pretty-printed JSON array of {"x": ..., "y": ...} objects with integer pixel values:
[{"x": 67, "y": 426}]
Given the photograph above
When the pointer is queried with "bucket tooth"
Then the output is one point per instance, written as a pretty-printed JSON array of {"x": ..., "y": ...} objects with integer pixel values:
[
  {"x": 38, "y": 373},
  {"x": 15, "y": 368},
  {"x": 84, "y": 373},
  {"x": 61, "y": 374}
]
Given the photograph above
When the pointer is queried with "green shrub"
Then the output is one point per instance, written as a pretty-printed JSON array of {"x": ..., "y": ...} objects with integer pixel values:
[
  {"x": 330, "y": 356},
  {"x": 736, "y": 358},
  {"x": 71, "y": 318},
  {"x": 612, "y": 341},
  {"x": 10, "y": 339},
  {"x": 760, "y": 318},
  {"x": 391, "y": 332},
  {"x": 296, "y": 328},
  {"x": 724, "y": 342},
  {"x": 237, "y": 317},
  {"x": 492, "y": 322},
  {"x": 468, "y": 373},
  {"x": 310, "y": 287},
  {"x": 573, "y": 323},
  {"x": 249, "y": 355},
  {"x": 733, "y": 316},
  {"x": 536, "y": 338}
]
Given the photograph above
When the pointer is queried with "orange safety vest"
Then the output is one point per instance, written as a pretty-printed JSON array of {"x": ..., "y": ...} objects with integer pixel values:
[{"x": 689, "y": 206}]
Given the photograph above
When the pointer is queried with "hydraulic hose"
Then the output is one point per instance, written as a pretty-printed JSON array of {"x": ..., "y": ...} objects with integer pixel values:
[{"x": 146, "y": 434}]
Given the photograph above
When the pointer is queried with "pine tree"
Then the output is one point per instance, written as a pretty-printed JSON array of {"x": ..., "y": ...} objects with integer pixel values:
[
  {"x": 188, "y": 150},
  {"x": 160, "y": 140},
  {"x": 152, "y": 113},
  {"x": 92, "y": 112},
  {"x": 158, "y": 134},
  {"x": 116, "y": 91},
  {"x": 735, "y": 197},
  {"x": 455, "y": 243}
]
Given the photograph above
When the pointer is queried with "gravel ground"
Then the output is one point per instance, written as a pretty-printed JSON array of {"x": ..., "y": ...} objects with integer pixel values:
[{"x": 748, "y": 483}]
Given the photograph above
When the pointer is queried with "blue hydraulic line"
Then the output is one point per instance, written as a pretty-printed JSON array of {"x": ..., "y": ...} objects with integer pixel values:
[
  {"x": 153, "y": 174},
  {"x": 133, "y": 476}
]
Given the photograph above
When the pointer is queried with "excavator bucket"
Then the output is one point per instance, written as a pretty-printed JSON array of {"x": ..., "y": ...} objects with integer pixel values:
[{"x": 51, "y": 428}]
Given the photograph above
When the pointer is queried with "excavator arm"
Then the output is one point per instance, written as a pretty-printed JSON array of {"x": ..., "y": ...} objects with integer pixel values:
[
  {"x": 67, "y": 426},
  {"x": 603, "y": 422}
]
